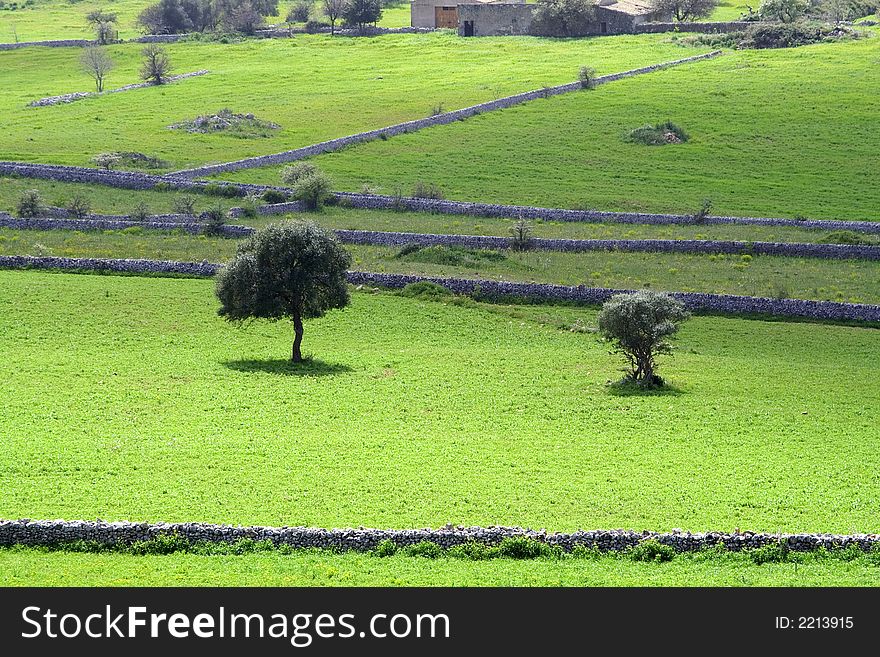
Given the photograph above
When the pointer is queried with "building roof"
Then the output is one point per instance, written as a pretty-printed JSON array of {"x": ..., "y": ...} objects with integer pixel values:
[{"x": 631, "y": 7}]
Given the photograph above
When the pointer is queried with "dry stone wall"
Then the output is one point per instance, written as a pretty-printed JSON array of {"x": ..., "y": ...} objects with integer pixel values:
[{"x": 57, "y": 532}]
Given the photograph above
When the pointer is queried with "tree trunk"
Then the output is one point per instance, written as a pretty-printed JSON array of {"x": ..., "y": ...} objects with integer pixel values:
[{"x": 296, "y": 355}]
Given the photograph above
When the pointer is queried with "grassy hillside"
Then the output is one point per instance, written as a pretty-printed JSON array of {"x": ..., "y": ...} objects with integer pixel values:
[
  {"x": 772, "y": 133},
  {"x": 418, "y": 413},
  {"x": 308, "y": 85}
]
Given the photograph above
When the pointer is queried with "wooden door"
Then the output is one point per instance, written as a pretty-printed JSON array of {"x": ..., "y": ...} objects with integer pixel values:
[{"x": 446, "y": 17}]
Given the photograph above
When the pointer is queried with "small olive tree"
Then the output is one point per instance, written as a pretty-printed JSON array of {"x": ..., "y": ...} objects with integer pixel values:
[
  {"x": 638, "y": 324},
  {"x": 293, "y": 271},
  {"x": 686, "y": 10},
  {"x": 308, "y": 184}
]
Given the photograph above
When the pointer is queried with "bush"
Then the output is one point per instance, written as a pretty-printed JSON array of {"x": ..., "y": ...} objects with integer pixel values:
[
  {"x": 300, "y": 12},
  {"x": 658, "y": 134},
  {"x": 563, "y": 18},
  {"x": 521, "y": 547},
  {"x": 408, "y": 249},
  {"x": 295, "y": 172},
  {"x": 185, "y": 205},
  {"x": 427, "y": 190},
  {"x": 215, "y": 219},
  {"x": 785, "y": 11},
  {"x": 521, "y": 235},
  {"x": 107, "y": 160},
  {"x": 156, "y": 66},
  {"x": 313, "y": 27},
  {"x": 474, "y": 551},
  {"x": 161, "y": 544},
  {"x": 703, "y": 211},
  {"x": 424, "y": 549},
  {"x": 313, "y": 190},
  {"x": 386, "y": 548},
  {"x": 652, "y": 550},
  {"x": 638, "y": 325},
  {"x": 30, "y": 204},
  {"x": 426, "y": 291},
  {"x": 847, "y": 237},
  {"x": 273, "y": 196},
  {"x": 774, "y": 553},
  {"x": 250, "y": 208},
  {"x": 141, "y": 212},
  {"x": 587, "y": 77},
  {"x": 78, "y": 206},
  {"x": 456, "y": 256},
  {"x": 226, "y": 191}
]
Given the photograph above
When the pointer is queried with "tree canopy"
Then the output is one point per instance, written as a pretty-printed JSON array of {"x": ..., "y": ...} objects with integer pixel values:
[{"x": 294, "y": 270}]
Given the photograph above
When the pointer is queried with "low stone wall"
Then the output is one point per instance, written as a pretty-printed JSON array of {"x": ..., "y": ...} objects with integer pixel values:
[
  {"x": 58, "y": 43},
  {"x": 380, "y": 202},
  {"x": 69, "y": 98},
  {"x": 56, "y": 532},
  {"x": 702, "y": 28},
  {"x": 419, "y": 124},
  {"x": 697, "y": 301},
  {"x": 193, "y": 226}
]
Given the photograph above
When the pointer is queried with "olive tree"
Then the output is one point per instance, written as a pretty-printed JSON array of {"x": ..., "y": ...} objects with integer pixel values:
[
  {"x": 294, "y": 270},
  {"x": 638, "y": 324}
]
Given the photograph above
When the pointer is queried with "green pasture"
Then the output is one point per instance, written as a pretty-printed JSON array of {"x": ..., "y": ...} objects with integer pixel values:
[
  {"x": 316, "y": 87},
  {"x": 417, "y": 413},
  {"x": 779, "y": 133}
]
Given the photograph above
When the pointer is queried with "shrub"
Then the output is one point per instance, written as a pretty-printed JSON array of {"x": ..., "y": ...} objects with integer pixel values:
[
  {"x": 847, "y": 237},
  {"x": 141, "y": 212},
  {"x": 436, "y": 110},
  {"x": 474, "y": 551},
  {"x": 226, "y": 191},
  {"x": 156, "y": 66},
  {"x": 774, "y": 553},
  {"x": 408, "y": 249},
  {"x": 427, "y": 190},
  {"x": 215, "y": 219},
  {"x": 312, "y": 190},
  {"x": 426, "y": 291},
  {"x": 30, "y": 204},
  {"x": 563, "y": 18},
  {"x": 638, "y": 325},
  {"x": 424, "y": 549},
  {"x": 295, "y": 172},
  {"x": 273, "y": 196},
  {"x": 456, "y": 256},
  {"x": 313, "y": 27},
  {"x": 785, "y": 11},
  {"x": 160, "y": 544},
  {"x": 386, "y": 548},
  {"x": 78, "y": 206},
  {"x": 652, "y": 550},
  {"x": 686, "y": 10},
  {"x": 658, "y": 134},
  {"x": 521, "y": 547},
  {"x": 250, "y": 208},
  {"x": 703, "y": 211},
  {"x": 587, "y": 77},
  {"x": 521, "y": 235},
  {"x": 107, "y": 160},
  {"x": 300, "y": 12},
  {"x": 185, "y": 205}
]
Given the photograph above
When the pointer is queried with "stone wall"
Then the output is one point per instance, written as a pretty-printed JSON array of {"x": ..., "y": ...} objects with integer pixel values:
[
  {"x": 702, "y": 28},
  {"x": 58, "y": 43},
  {"x": 57, "y": 532},
  {"x": 419, "y": 124},
  {"x": 69, "y": 98},
  {"x": 697, "y": 301}
]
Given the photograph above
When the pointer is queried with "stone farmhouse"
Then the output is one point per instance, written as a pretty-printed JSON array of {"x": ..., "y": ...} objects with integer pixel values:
[{"x": 514, "y": 17}]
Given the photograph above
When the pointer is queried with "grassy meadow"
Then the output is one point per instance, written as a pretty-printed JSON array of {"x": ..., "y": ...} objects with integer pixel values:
[
  {"x": 418, "y": 413},
  {"x": 308, "y": 85},
  {"x": 772, "y": 133},
  {"x": 24, "y": 567},
  {"x": 855, "y": 281}
]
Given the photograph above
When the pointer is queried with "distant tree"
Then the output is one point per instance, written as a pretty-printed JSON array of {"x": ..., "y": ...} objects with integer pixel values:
[
  {"x": 156, "y": 66},
  {"x": 308, "y": 184},
  {"x": 178, "y": 16},
  {"x": 361, "y": 13},
  {"x": 686, "y": 10},
  {"x": 563, "y": 18},
  {"x": 333, "y": 9},
  {"x": 300, "y": 12},
  {"x": 102, "y": 23},
  {"x": 107, "y": 160},
  {"x": 638, "y": 325},
  {"x": 785, "y": 11},
  {"x": 244, "y": 18},
  {"x": 30, "y": 204},
  {"x": 290, "y": 271},
  {"x": 97, "y": 63}
]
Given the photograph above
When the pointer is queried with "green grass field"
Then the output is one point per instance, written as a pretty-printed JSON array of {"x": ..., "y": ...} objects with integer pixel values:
[
  {"x": 38, "y": 568},
  {"x": 855, "y": 281},
  {"x": 308, "y": 85},
  {"x": 418, "y": 414},
  {"x": 61, "y": 19},
  {"x": 773, "y": 133}
]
